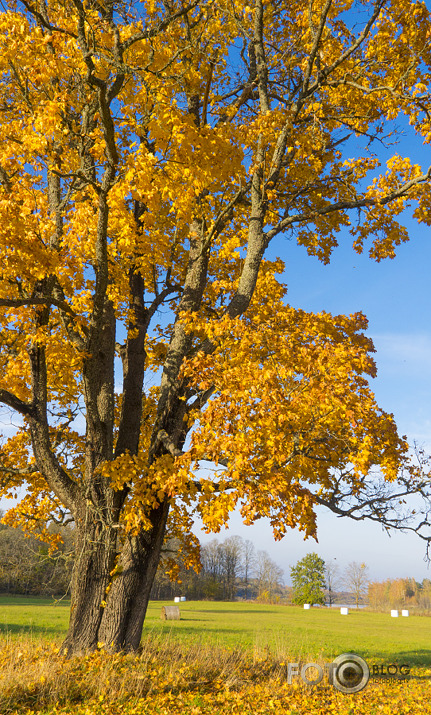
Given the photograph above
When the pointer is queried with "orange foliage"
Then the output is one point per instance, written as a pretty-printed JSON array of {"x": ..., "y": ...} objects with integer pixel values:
[{"x": 132, "y": 149}]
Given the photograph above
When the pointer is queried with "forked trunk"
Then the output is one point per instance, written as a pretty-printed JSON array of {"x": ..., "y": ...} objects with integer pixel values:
[{"x": 117, "y": 625}]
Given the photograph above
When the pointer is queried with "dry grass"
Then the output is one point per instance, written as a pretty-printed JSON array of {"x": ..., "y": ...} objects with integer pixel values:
[
  {"x": 34, "y": 675},
  {"x": 169, "y": 677}
]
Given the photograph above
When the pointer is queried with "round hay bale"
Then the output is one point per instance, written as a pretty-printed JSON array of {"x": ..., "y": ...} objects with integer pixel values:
[{"x": 170, "y": 613}]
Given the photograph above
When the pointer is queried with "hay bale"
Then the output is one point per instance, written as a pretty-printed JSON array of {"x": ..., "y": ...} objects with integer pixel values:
[{"x": 170, "y": 613}]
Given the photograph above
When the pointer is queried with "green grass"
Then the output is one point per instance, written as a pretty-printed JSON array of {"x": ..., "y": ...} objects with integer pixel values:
[
  {"x": 284, "y": 630},
  {"x": 39, "y": 617}
]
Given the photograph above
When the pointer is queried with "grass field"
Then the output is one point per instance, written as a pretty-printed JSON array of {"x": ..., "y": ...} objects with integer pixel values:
[
  {"x": 319, "y": 632},
  {"x": 219, "y": 659}
]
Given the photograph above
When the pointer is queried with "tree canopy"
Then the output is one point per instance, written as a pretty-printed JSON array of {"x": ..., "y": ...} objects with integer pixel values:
[
  {"x": 152, "y": 154},
  {"x": 308, "y": 580}
]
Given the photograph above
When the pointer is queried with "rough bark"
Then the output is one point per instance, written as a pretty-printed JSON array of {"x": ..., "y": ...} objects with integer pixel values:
[
  {"x": 127, "y": 601},
  {"x": 96, "y": 549}
]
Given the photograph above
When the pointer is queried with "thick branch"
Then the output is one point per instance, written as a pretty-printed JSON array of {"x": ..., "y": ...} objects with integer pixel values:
[
  {"x": 15, "y": 403},
  {"x": 43, "y": 20},
  {"x": 35, "y": 300},
  {"x": 133, "y": 357},
  {"x": 257, "y": 243},
  {"x": 315, "y": 48},
  {"x": 180, "y": 344},
  {"x": 46, "y": 460},
  {"x": 27, "y": 472},
  {"x": 163, "y": 436},
  {"x": 258, "y": 49}
]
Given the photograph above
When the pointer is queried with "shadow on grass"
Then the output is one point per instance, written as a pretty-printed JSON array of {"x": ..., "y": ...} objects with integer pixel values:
[
  {"x": 234, "y": 611},
  {"x": 413, "y": 658},
  {"x": 193, "y": 619},
  {"x": 40, "y": 601},
  {"x": 34, "y": 630},
  {"x": 169, "y": 626}
]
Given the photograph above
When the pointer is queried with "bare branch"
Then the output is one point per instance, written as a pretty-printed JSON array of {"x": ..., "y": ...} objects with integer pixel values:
[{"x": 346, "y": 205}]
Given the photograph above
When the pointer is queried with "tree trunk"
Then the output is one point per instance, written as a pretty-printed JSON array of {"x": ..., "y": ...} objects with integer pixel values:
[
  {"x": 118, "y": 624},
  {"x": 95, "y": 552},
  {"x": 127, "y": 601}
]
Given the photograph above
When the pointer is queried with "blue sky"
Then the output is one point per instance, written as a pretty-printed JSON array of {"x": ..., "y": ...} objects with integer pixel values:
[{"x": 395, "y": 295}]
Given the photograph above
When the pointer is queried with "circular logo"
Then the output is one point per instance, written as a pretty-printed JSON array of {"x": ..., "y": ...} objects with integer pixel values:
[{"x": 350, "y": 673}]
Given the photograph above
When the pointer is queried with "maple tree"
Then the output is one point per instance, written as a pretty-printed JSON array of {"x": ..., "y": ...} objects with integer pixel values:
[{"x": 151, "y": 152}]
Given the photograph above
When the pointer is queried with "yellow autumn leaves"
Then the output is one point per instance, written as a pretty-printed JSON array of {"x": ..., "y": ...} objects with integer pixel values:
[
  {"x": 174, "y": 679},
  {"x": 197, "y": 147},
  {"x": 291, "y": 404}
]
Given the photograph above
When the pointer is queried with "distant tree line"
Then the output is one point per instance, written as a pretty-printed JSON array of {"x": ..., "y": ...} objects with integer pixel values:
[
  {"x": 315, "y": 581},
  {"x": 378, "y": 595},
  {"x": 26, "y": 567},
  {"x": 400, "y": 593},
  {"x": 230, "y": 569}
]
